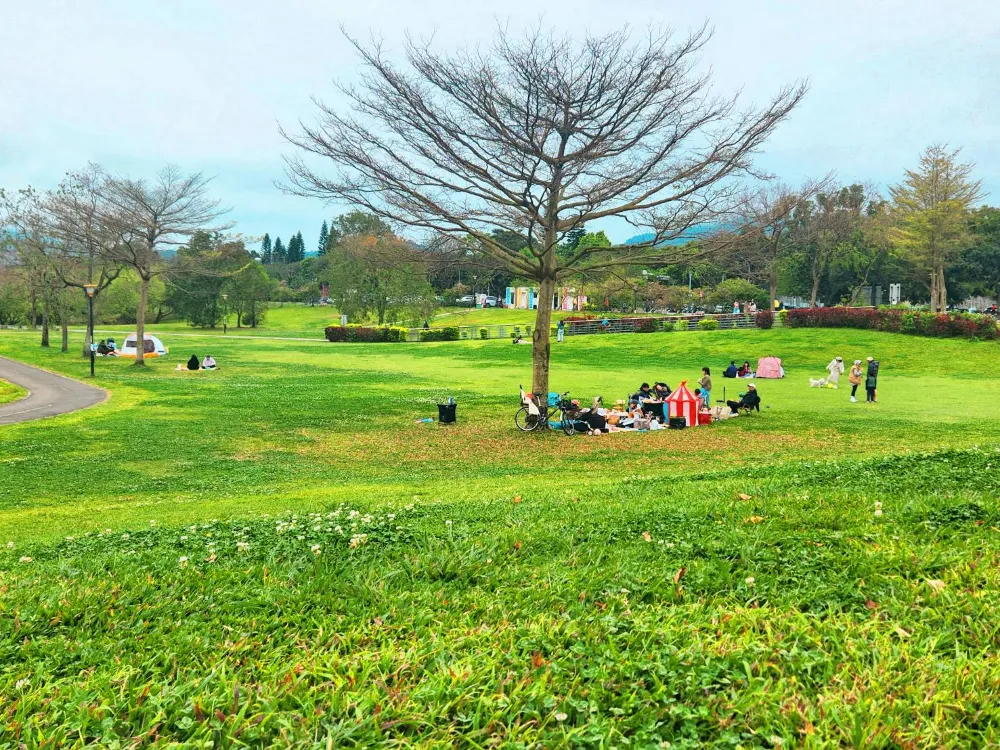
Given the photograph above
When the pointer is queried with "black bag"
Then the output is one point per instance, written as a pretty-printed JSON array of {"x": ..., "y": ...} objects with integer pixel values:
[
  {"x": 446, "y": 413},
  {"x": 677, "y": 423}
]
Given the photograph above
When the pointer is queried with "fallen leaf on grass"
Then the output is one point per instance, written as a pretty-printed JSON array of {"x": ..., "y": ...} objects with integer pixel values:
[
  {"x": 869, "y": 604},
  {"x": 902, "y": 633},
  {"x": 536, "y": 659},
  {"x": 517, "y": 499},
  {"x": 646, "y": 536},
  {"x": 583, "y": 595},
  {"x": 517, "y": 545},
  {"x": 753, "y": 519},
  {"x": 936, "y": 584},
  {"x": 743, "y": 496},
  {"x": 679, "y": 575}
]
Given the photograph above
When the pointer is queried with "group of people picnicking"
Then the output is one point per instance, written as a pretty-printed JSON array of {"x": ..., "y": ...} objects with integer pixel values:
[
  {"x": 107, "y": 348},
  {"x": 644, "y": 409},
  {"x": 195, "y": 364}
]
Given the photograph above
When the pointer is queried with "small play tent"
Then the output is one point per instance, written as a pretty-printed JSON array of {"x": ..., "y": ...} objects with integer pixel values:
[
  {"x": 682, "y": 403},
  {"x": 770, "y": 367},
  {"x": 151, "y": 347}
]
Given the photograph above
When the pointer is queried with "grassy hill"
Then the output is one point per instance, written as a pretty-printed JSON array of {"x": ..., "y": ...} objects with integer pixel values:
[{"x": 275, "y": 553}]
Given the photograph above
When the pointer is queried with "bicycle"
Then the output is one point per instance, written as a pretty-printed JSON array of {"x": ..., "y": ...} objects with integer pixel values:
[{"x": 530, "y": 417}]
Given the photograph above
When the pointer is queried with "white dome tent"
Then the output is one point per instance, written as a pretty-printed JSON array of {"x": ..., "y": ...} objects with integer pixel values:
[{"x": 151, "y": 347}]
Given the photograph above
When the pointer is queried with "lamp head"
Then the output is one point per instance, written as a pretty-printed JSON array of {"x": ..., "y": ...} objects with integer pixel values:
[{"x": 91, "y": 290}]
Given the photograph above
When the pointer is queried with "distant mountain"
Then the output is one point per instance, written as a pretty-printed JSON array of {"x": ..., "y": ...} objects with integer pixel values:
[{"x": 694, "y": 233}]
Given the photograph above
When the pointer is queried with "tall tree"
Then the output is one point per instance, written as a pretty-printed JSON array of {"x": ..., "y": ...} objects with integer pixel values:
[
  {"x": 151, "y": 216},
  {"x": 981, "y": 263},
  {"x": 932, "y": 207},
  {"x": 199, "y": 274},
  {"x": 266, "y": 249},
  {"x": 249, "y": 289},
  {"x": 279, "y": 253},
  {"x": 300, "y": 248},
  {"x": 324, "y": 239},
  {"x": 539, "y": 136}
]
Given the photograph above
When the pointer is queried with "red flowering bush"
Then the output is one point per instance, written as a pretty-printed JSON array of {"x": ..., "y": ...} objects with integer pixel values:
[
  {"x": 765, "y": 319},
  {"x": 896, "y": 321},
  {"x": 364, "y": 334}
]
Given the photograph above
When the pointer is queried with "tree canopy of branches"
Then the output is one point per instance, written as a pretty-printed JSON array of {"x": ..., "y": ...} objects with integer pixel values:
[
  {"x": 149, "y": 216},
  {"x": 932, "y": 208},
  {"x": 539, "y": 136}
]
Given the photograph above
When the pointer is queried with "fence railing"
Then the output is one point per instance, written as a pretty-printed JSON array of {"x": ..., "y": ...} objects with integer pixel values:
[{"x": 647, "y": 324}]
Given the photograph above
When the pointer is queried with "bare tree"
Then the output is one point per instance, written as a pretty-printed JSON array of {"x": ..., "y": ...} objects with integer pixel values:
[
  {"x": 147, "y": 217},
  {"x": 539, "y": 136},
  {"x": 768, "y": 215},
  {"x": 87, "y": 241}
]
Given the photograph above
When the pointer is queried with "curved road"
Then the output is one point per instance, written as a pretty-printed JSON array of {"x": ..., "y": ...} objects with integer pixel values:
[{"x": 48, "y": 394}]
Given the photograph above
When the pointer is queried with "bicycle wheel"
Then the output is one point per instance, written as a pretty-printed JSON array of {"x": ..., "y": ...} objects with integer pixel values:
[
  {"x": 568, "y": 425},
  {"x": 525, "y": 421}
]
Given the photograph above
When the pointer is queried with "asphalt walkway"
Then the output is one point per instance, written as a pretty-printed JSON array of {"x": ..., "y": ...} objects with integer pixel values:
[{"x": 48, "y": 394}]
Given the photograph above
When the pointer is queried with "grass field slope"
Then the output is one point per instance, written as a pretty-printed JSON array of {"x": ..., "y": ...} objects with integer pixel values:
[
  {"x": 276, "y": 554},
  {"x": 10, "y": 392}
]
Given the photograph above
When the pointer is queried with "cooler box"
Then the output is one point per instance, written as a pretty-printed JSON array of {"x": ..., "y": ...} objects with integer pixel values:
[{"x": 704, "y": 417}]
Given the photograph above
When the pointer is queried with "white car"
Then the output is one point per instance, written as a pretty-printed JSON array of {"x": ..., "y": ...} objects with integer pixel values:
[{"x": 490, "y": 301}]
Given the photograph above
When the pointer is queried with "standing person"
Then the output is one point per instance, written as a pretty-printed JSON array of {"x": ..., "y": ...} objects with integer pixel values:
[
  {"x": 871, "y": 380},
  {"x": 736, "y": 307},
  {"x": 705, "y": 381},
  {"x": 560, "y": 331},
  {"x": 752, "y": 307},
  {"x": 835, "y": 368},
  {"x": 854, "y": 378}
]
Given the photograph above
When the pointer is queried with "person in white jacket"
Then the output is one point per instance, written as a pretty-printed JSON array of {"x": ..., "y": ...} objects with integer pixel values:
[{"x": 835, "y": 368}]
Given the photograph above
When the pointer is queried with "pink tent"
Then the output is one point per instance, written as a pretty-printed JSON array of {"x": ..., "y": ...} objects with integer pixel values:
[
  {"x": 683, "y": 403},
  {"x": 769, "y": 367}
]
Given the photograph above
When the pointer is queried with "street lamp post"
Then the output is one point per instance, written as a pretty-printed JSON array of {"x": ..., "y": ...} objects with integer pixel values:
[
  {"x": 225, "y": 313},
  {"x": 91, "y": 289}
]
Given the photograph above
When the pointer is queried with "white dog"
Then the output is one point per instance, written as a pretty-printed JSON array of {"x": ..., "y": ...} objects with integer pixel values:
[{"x": 817, "y": 382}]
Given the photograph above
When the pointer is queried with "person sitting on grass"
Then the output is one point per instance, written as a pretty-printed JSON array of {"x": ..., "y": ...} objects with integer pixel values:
[
  {"x": 102, "y": 349},
  {"x": 744, "y": 371},
  {"x": 193, "y": 363},
  {"x": 661, "y": 391},
  {"x": 749, "y": 400},
  {"x": 731, "y": 371},
  {"x": 208, "y": 363}
]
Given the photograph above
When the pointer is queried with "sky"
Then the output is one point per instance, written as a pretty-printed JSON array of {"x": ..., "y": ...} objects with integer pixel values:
[{"x": 205, "y": 84}]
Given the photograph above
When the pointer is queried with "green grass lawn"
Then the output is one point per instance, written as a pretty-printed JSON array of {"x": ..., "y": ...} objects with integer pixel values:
[
  {"x": 275, "y": 553},
  {"x": 10, "y": 392}
]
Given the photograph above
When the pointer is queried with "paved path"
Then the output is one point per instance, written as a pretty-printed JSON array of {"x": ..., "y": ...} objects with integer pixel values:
[{"x": 48, "y": 394}]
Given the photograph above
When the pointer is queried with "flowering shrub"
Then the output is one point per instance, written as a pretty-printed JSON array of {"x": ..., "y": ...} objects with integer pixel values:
[
  {"x": 363, "y": 334},
  {"x": 440, "y": 334},
  {"x": 897, "y": 321},
  {"x": 765, "y": 319},
  {"x": 708, "y": 324},
  {"x": 645, "y": 325}
]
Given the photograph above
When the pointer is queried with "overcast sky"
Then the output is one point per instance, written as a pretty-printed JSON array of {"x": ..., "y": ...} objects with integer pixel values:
[{"x": 135, "y": 84}]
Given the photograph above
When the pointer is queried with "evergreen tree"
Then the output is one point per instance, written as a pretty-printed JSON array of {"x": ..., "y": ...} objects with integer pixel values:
[
  {"x": 324, "y": 238},
  {"x": 279, "y": 252},
  {"x": 300, "y": 248},
  {"x": 573, "y": 237},
  {"x": 265, "y": 248}
]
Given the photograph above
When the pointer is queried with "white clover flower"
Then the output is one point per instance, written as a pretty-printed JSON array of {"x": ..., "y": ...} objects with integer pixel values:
[
  {"x": 10, "y": 545},
  {"x": 25, "y": 559},
  {"x": 152, "y": 523},
  {"x": 878, "y": 512},
  {"x": 751, "y": 581},
  {"x": 316, "y": 550},
  {"x": 69, "y": 539},
  {"x": 561, "y": 716},
  {"x": 243, "y": 546},
  {"x": 22, "y": 684},
  {"x": 448, "y": 522},
  {"x": 391, "y": 516},
  {"x": 126, "y": 536},
  {"x": 184, "y": 538},
  {"x": 183, "y": 562}
]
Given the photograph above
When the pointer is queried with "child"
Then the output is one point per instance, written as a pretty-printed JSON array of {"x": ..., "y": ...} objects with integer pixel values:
[
  {"x": 705, "y": 381},
  {"x": 854, "y": 378}
]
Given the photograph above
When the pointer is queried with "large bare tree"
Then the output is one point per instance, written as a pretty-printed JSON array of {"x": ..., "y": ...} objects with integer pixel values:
[
  {"x": 87, "y": 239},
  {"x": 538, "y": 135},
  {"x": 150, "y": 216}
]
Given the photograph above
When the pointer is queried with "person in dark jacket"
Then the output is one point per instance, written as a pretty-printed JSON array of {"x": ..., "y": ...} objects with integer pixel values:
[
  {"x": 871, "y": 380},
  {"x": 193, "y": 363},
  {"x": 731, "y": 371},
  {"x": 749, "y": 400},
  {"x": 661, "y": 391}
]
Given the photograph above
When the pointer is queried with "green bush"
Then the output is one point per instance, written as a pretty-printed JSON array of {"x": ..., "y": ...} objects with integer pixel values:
[
  {"x": 484, "y": 333},
  {"x": 669, "y": 325},
  {"x": 450, "y": 333},
  {"x": 708, "y": 324}
]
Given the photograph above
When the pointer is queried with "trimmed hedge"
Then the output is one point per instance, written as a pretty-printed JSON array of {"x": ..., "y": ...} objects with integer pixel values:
[
  {"x": 952, "y": 325},
  {"x": 765, "y": 319},
  {"x": 354, "y": 333},
  {"x": 645, "y": 325},
  {"x": 708, "y": 324},
  {"x": 440, "y": 334}
]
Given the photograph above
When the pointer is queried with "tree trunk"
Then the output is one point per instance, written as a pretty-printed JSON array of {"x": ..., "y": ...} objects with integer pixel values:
[
  {"x": 815, "y": 289},
  {"x": 45, "y": 323},
  {"x": 65, "y": 333},
  {"x": 140, "y": 322},
  {"x": 773, "y": 285},
  {"x": 942, "y": 289},
  {"x": 540, "y": 345},
  {"x": 34, "y": 310},
  {"x": 934, "y": 290}
]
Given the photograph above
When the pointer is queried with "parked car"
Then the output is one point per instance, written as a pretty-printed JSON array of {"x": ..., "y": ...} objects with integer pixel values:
[
  {"x": 467, "y": 301},
  {"x": 490, "y": 301}
]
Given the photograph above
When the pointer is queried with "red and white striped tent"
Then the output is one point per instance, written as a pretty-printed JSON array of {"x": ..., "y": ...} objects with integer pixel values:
[{"x": 682, "y": 403}]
